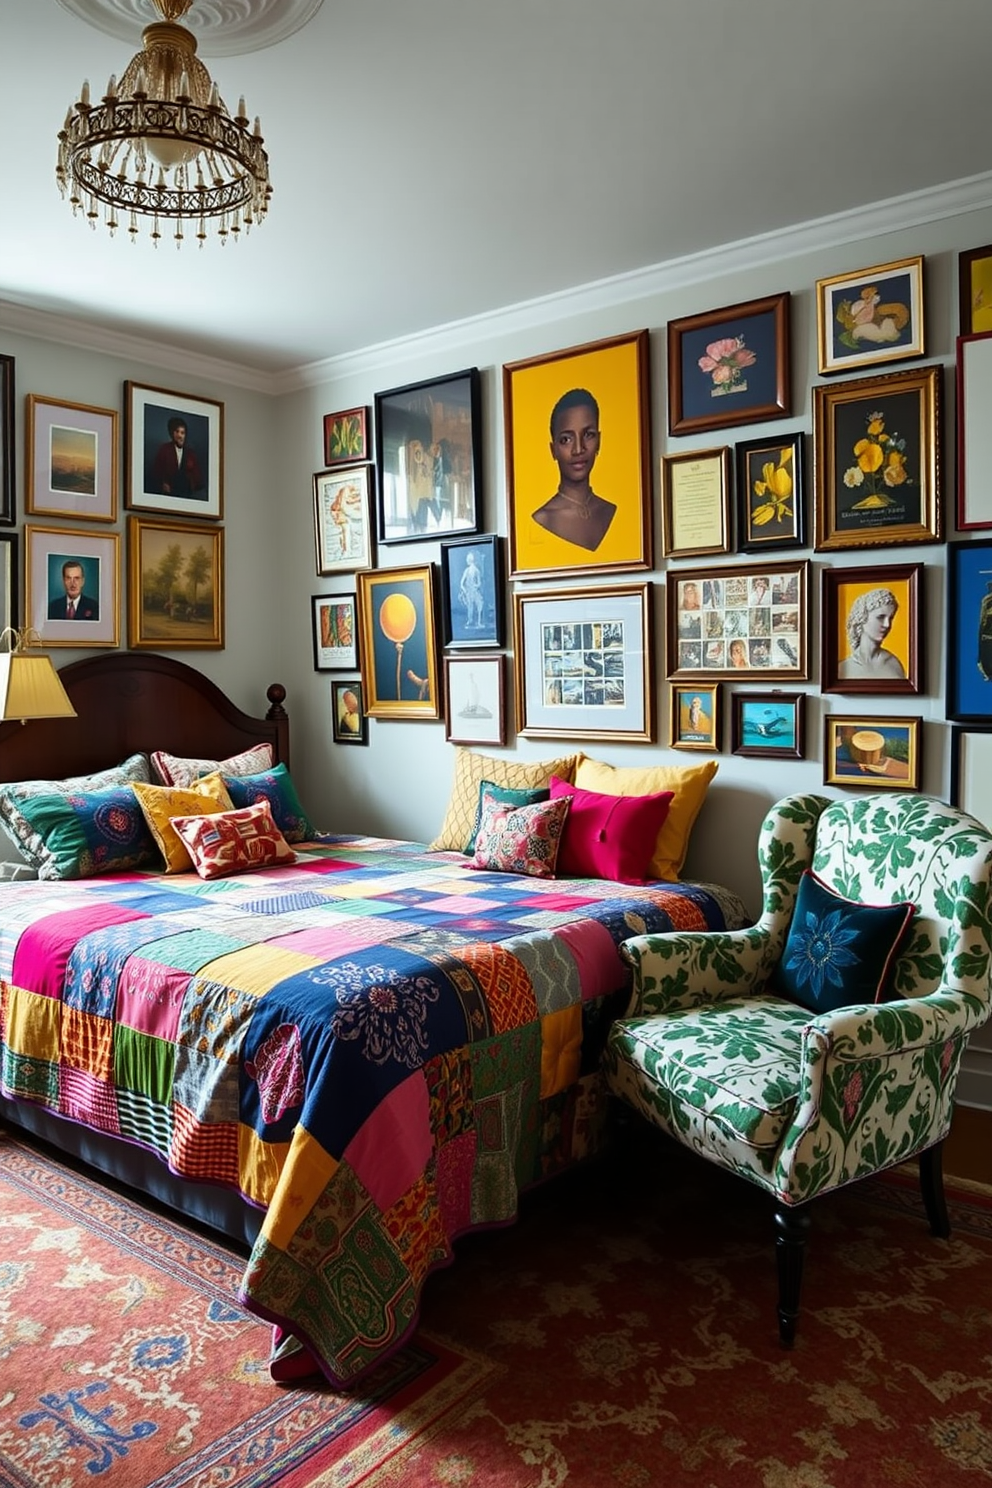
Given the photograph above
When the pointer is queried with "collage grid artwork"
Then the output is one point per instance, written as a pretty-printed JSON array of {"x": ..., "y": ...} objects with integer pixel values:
[{"x": 744, "y": 621}]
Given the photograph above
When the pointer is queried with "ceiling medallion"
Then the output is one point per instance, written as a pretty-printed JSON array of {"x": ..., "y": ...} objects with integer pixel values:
[{"x": 223, "y": 28}]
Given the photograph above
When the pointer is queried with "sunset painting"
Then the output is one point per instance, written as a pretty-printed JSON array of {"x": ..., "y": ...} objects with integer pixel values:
[{"x": 73, "y": 460}]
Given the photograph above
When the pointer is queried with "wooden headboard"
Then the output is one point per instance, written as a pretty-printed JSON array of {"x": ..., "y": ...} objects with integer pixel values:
[{"x": 128, "y": 701}]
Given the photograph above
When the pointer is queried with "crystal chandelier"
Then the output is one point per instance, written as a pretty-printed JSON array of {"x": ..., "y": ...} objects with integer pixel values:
[{"x": 162, "y": 145}]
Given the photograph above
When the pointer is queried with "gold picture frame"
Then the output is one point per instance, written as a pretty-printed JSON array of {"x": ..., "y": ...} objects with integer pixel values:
[
  {"x": 397, "y": 623},
  {"x": 871, "y": 317},
  {"x": 873, "y": 753},
  {"x": 71, "y": 465},
  {"x": 175, "y": 585},
  {"x": 694, "y": 716},
  {"x": 55, "y": 560},
  {"x": 695, "y": 503}
]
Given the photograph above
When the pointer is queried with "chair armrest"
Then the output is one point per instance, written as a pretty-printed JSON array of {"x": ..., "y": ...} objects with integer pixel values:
[{"x": 690, "y": 968}]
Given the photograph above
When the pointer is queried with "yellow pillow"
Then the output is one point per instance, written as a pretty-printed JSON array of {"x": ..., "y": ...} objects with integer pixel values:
[
  {"x": 471, "y": 769},
  {"x": 689, "y": 782},
  {"x": 160, "y": 802}
]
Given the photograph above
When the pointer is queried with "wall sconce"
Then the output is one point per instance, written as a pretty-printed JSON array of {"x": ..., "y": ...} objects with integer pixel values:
[{"x": 29, "y": 683}]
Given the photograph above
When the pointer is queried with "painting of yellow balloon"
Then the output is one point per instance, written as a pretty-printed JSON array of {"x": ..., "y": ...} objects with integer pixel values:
[
  {"x": 399, "y": 642},
  {"x": 771, "y": 498}
]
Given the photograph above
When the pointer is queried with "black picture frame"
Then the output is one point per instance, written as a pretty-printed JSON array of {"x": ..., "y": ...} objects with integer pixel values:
[
  {"x": 463, "y": 597},
  {"x": 428, "y": 452},
  {"x": 768, "y": 725},
  {"x": 7, "y": 509},
  {"x": 335, "y": 632},
  {"x": 10, "y": 589},
  {"x": 349, "y": 720},
  {"x": 770, "y": 485}
]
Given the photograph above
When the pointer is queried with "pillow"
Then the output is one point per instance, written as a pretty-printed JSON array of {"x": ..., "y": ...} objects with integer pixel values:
[
  {"x": 182, "y": 772},
  {"x": 838, "y": 952},
  {"x": 470, "y": 770},
  {"x": 90, "y": 833},
  {"x": 161, "y": 802},
  {"x": 276, "y": 787},
  {"x": 505, "y": 795},
  {"x": 521, "y": 839},
  {"x": 13, "y": 798},
  {"x": 609, "y": 836},
  {"x": 689, "y": 784},
  {"x": 233, "y": 841}
]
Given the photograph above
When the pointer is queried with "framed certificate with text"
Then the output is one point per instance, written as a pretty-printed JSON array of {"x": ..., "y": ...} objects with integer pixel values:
[{"x": 695, "y": 503}]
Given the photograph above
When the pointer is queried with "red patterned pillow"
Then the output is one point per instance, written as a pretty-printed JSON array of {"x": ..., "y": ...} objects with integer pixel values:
[
  {"x": 521, "y": 839},
  {"x": 233, "y": 841}
]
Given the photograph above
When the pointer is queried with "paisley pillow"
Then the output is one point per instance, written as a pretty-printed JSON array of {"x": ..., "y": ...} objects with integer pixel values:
[{"x": 521, "y": 839}]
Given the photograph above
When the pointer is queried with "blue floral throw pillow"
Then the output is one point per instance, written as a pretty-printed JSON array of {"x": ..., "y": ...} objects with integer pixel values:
[
  {"x": 91, "y": 832},
  {"x": 276, "y": 787},
  {"x": 839, "y": 952}
]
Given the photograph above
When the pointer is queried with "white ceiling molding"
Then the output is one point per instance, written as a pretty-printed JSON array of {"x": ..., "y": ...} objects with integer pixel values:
[{"x": 223, "y": 28}]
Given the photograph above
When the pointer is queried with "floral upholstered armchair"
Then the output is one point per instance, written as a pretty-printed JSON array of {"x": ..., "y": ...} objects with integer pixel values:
[{"x": 765, "y": 1050}]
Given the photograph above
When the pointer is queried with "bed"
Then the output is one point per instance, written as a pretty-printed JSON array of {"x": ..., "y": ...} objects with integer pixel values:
[{"x": 344, "y": 1062}]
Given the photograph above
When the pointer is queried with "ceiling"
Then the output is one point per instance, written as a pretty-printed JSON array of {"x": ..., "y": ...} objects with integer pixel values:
[{"x": 434, "y": 160}]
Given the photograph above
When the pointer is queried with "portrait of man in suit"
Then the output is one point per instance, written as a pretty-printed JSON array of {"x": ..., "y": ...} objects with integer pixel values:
[{"x": 66, "y": 599}]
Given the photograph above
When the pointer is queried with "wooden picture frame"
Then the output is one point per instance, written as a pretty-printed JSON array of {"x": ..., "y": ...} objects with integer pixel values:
[
  {"x": 694, "y": 720},
  {"x": 475, "y": 700},
  {"x": 398, "y": 642},
  {"x": 971, "y": 771},
  {"x": 747, "y": 621},
  {"x": 695, "y": 503},
  {"x": 175, "y": 585},
  {"x": 969, "y": 631},
  {"x": 428, "y": 451},
  {"x": 335, "y": 632},
  {"x": 768, "y": 725},
  {"x": 873, "y": 753},
  {"x": 153, "y": 417},
  {"x": 870, "y": 629},
  {"x": 8, "y": 514},
  {"x": 771, "y": 492},
  {"x": 973, "y": 381},
  {"x": 870, "y": 317},
  {"x": 342, "y": 519},
  {"x": 730, "y": 366},
  {"x": 71, "y": 467},
  {"x": 10, "y": 608},
  {"x": 472, "y": 587},
  {"x": 975, "y": 291},
  {"x": 54, "y": 557},
  {"x": 579, "y": 502},
  {"x": 584, "y": 664},
  {"x": 349, "y": 721},
  {"x": 346, "y": 437},
  {"x": 876, "y": 460}
]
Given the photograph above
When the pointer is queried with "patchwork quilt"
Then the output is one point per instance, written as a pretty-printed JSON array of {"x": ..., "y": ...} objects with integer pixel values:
[{"x": 377, "y": 1045}]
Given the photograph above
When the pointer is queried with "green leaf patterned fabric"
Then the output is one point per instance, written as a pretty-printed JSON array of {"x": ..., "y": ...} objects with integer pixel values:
[{"x": 801, "y": 1103}]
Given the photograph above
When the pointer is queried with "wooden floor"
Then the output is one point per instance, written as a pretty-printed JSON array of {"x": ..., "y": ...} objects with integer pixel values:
[{"x": 968, "y": 1149}]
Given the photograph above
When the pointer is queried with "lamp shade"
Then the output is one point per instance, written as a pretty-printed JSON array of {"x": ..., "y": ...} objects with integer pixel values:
[{"x": 30, "y": 688}]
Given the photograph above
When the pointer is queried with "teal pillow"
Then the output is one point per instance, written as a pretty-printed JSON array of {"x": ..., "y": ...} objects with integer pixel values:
[
  {"x": 503, "y": 795},
  {"x": 839, "y": 952},
  {"x": 14, "y": 819},
  {"x": 90, "y": 833},
  {"x": 276, "y": 787}
]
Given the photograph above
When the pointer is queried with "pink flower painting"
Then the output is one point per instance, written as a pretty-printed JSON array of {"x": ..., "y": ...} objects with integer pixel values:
[{"x": 724, "y": 361}]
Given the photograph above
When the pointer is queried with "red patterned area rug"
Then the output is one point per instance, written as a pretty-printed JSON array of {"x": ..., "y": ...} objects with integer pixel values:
[{"x": 124, "y": 1361}]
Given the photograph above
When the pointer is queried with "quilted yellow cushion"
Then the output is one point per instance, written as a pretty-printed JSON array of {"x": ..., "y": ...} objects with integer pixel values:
[
  {"x": 689, "y": 784},
  {"x": 161, "y": 802},
  {"x": 471, "y": 769}
]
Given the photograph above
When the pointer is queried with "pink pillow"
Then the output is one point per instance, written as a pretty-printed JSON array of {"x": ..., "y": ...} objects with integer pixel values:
[
  {"x": 233, "y": 841},
  {"x": 520, "y": 839},
  {"x": 609, "y": 836}
]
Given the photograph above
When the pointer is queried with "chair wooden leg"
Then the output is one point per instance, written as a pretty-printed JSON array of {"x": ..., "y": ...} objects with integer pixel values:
[
  {"x": 932, "y": 1188},
  {"x": 792, "y": 1228}
]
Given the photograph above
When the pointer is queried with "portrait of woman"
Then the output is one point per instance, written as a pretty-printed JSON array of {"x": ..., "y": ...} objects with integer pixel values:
[{"x": 869, "y": 622}]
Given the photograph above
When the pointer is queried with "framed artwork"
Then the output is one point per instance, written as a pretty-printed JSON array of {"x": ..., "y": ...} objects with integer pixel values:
[
  {"x": 72, "y": 460},
  {"x": 973, "y": 376},
  {"x": 346, "y": 436},
  {"x": 175, "y": 585},
  {"x": 349, "y": 724},
  {"x": 474, "y": 708},
  {"x": 173, "y": 453},
  {"x": 975, "y": 290},
  {"x": 876, "y": 753},
  {"x": 472, "y": 592},
  {"x": 737, "y": 622},
  {"x": 695, "y": 503},
  {"x": 7, "y": 510},
  {"x": 870, "y": 629},
  {"x": 768, "y": 725},
  {"x": 870, "y": 317},
  {"x": 729, "y": 366},
  {"x": 342, "y": 519},
  {"x": 876, "y": 460},
  {"x": 335, "y": 632},
  {"x": 969, "y": 631},
  {"x": 971, "y": 771},
  {"x": 10, "y": 611},
  {"x": 399, "y": 642},
  {"x": 578, "y": 459},
  {"x": 694, "y": 716},
  {"x": 428, "y": 450},
  {"x": 584, "y": 666},
  {"x": 72, "y": 586},
  {"x": 771, "y": 493}
]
